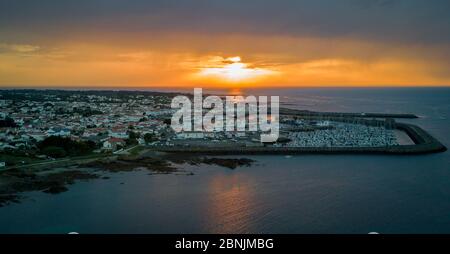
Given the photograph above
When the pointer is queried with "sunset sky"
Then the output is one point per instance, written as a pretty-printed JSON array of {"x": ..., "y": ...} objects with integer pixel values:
[{"x": 227, "y": 43}]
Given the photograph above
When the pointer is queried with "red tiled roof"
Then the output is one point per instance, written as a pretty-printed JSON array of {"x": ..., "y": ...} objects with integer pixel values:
[{"x": 116, "y": 140}]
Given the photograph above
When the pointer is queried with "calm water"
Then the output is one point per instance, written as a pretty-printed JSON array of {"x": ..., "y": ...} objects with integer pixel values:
[{"x": 300, "y": 194}]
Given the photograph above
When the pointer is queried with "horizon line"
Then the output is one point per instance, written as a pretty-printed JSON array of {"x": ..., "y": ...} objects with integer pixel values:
[{"x": 140, "y": 88}]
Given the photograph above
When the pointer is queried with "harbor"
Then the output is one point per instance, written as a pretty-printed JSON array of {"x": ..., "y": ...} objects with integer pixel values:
[{"x": 320, "y": 133}]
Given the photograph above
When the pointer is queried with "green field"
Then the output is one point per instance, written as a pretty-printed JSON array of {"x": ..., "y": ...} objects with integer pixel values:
[{"x": 17, "y": 160}]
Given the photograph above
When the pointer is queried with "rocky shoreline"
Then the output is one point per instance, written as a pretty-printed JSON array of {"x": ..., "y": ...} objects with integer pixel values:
[{"x": 15, "y": 183}]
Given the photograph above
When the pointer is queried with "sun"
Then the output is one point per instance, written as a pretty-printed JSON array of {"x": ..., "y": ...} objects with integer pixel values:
[{"x": 232, "y": 70}]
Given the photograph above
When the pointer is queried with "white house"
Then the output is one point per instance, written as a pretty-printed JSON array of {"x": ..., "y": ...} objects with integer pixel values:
[
  {"x": 323, "y": 123},
  {"x": 38, "y": 135},
  {"x": 113, "y": 143},
  {"x": 118, "y": 133},
  {"x": 56, "y": 131},
  {"x": 190, "y": 135},
  {"x": 134, "y": 118},
  {"x": 239, "y": 134}
]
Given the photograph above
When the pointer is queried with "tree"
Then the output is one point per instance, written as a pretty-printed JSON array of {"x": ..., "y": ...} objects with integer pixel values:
[
  {"x": 149, "y": 137},
  {"x": 69, "y": 146},
  {"x": 132, "y": 138},
  {"x": 133, "y": 135},
  {"x": 7, "y": 122},
  {"x": 54, "y": 152}
]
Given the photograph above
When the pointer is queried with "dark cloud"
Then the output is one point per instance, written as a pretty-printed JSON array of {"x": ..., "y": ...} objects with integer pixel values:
[{"x": 407, "y": 21}]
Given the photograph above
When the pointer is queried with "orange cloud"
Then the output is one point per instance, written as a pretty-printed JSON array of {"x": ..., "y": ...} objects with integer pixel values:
[{"x": 195, "y": 60}]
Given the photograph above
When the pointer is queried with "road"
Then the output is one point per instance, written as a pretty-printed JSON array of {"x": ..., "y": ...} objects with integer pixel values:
[{"x": 49, "y": 162}]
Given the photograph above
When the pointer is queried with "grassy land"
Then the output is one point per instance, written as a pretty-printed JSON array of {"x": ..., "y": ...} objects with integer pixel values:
[
  {"x": 136, "y": 150},
  {"x": 41, "y": 164},
  {"x": 18, "y": 160},
  {"x": 24, "y": 162}
]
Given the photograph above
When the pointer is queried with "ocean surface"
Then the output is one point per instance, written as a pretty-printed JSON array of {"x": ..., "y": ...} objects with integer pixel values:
[{"x": 279, "y": 194}]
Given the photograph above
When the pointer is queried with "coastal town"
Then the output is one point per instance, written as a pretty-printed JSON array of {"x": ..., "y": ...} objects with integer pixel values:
[
  {"x": 107, "y": 121},
  {"x": 34, "y": 123}
]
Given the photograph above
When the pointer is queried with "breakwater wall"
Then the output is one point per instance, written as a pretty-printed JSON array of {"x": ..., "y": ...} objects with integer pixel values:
[{"x": 313, "y": 114}]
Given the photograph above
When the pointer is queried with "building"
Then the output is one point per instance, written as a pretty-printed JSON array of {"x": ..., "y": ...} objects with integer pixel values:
[
  {"x": 323, "y": 123},
  {"x": 113, "y": 144},
  {"x": 94, "y": 132},
  {"x": 37, "y": 135},
  {"x": 56, "y": 131},
  {"x": 190, "y": 135},
  {"x": 118, "y": 133}
]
